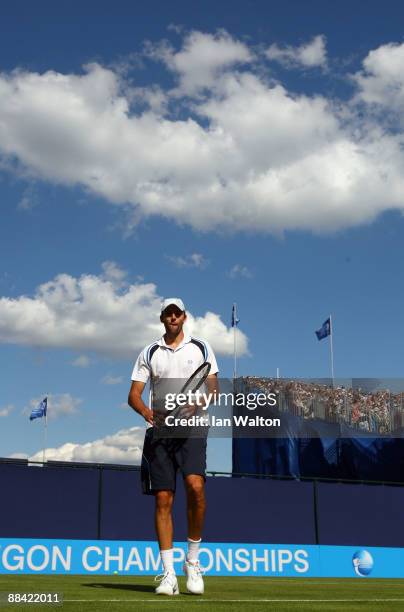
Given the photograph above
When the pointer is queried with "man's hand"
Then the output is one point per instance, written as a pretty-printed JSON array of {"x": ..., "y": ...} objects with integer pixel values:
[{"x": 147, "y": 414}]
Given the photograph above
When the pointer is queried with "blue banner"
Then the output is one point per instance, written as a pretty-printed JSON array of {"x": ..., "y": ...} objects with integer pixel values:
[{"x": 106, "y": 557}]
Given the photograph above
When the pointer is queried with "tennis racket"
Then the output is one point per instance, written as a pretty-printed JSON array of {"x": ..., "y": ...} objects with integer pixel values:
[{"x": 194, "y": 382}]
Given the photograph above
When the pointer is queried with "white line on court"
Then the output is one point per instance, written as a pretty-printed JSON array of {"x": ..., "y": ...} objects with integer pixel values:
[{"x": 205, "y": 600}]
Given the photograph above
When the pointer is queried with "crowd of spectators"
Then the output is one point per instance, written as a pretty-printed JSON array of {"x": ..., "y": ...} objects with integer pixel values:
[{"x": 379, "y": 411}]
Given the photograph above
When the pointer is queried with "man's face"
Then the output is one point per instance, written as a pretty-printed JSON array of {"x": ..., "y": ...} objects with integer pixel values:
[{"x": 173, "y": 319}]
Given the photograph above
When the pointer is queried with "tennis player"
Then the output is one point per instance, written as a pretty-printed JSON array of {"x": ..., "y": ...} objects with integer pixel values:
[{"x": 176, "y": 355}]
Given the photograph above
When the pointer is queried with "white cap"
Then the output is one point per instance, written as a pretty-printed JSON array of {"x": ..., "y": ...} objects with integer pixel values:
[{"x": 172, "y": 301}]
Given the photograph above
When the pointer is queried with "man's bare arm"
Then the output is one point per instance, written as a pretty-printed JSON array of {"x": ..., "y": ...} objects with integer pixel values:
[{"x": 135, "y": 401}]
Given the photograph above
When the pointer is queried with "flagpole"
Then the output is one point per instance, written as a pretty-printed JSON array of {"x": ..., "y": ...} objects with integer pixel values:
[
  {"x": 45, "y": 436},
  {"x": 331, "y": 351},
  {"x": 234, "y": 339}
]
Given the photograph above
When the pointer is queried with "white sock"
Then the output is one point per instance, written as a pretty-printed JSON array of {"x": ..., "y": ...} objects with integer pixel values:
[
  {"x": 193, "y": 550},
  {"x": 167, "y": 559}
]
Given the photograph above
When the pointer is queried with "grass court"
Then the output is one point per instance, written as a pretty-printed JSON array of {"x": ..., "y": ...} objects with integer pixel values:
[{"x": 132, "y": 593}]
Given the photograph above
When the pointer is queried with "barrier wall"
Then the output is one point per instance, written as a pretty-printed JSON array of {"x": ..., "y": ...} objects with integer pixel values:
[
  {"x": 355, "y": 514},
  {"x": 93, "y": 519},
  {"x": 104, "y": 502},
  {"x": 50, "y": 503}
]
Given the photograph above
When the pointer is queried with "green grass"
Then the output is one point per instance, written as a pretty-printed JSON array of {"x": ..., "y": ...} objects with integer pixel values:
[{"x": 124, "y": 594}]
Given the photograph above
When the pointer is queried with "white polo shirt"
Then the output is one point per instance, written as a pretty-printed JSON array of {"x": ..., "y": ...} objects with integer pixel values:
[{"x": 157, "y": 360}]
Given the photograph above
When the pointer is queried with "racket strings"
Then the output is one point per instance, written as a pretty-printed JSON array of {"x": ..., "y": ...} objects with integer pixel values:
[{"x": 196, "y": 380}]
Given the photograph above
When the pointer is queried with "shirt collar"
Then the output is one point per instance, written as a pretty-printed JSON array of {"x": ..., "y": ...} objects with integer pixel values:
[{"x": 186, "y": 339}]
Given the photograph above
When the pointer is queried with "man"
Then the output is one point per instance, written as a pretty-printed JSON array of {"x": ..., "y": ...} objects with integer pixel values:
[{"x": 175, "y": 356}]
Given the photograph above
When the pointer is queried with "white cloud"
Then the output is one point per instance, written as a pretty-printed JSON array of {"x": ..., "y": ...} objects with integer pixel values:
[
  {"x": 244, "y": 154},
  {"x": 112, "y": 380},
  {"x": 240, "y": 271},
  {"x": 81, "y": 362},
  {"x": 28, "y": 200},
  {"x": 113, "y": 273},
  {"x": 310, "y": 55},
  {"x": 194, "y": 260},
  {"x": 93, "y": 313},
  {"x": 175, "y": 27},
  {"x": 381, "y": 82},
  {"x": 125, "y": 447},
  {"x": 59, "y": 404},
  {"x": 6, "y": 410},
  {"x": 202, "y": 59}
]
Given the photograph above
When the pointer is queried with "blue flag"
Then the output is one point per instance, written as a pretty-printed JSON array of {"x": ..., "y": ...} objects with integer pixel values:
[
  {"x": 40, "y": 410},
  {"x": 325, "y": 330},
  {"x": 234, "y": 320}
]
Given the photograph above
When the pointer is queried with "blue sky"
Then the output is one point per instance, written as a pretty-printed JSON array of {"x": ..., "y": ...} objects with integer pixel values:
[{"x": 247, "y": 153}]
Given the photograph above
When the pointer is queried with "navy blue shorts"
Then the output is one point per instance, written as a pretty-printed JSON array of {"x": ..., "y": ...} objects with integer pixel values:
[{"x": 163, "y": 457}]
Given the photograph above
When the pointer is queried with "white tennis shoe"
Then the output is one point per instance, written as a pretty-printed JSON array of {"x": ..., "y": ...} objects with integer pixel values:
[
  {"x": 193, "y": 573},
  {"x": 168, "y": 584}
]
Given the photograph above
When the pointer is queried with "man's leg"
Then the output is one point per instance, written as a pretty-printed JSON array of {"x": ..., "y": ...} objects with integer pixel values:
[
  {"x": 191, "y": 458},
  {"x": 164, "y": 519},
  {"x": 164, "y": 529},
  {"x": 196, "y": 505}
]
